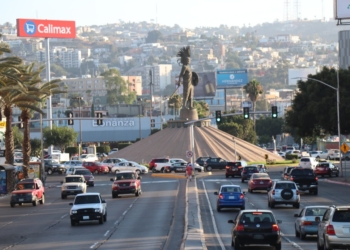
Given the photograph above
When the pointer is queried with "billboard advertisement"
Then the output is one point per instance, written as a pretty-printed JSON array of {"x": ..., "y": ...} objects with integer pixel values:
[
  {"x": 45, "y": 28},
  {"x": 205, "y": 89},
  {"x": 231, "y": 78},
  {"x": 341, "y": 9}
]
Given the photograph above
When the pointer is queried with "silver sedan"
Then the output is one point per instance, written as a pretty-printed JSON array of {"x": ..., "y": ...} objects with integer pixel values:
[{"x": 306, "y": 222}]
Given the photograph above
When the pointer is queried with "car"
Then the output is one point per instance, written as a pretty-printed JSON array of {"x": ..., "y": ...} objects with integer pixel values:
[
  {"x": 72, "y": 185},
  {"x": 126, "y": 182},
  {"x": 316, "y": 154},
  {"x": 326, "y": 168},
  {"x": 72, "y": 163},
  {"x": 159, "y": 164},
  {"x": 247, "y": 171},
  {"x": 87, "y": 207},
  {"x": 71, "y": 170},
  {"x": 197, "y": 167},
  {"x": 262, "y": 168},
  {"x": 259, "y": 181},
  {"x": 129, "y": 165},
  {"x": 89, "y": 178},
  {"x": 283, "y": 192},
  {"x": 333, "y": 230},
  {"x": 306, "y": 222},
  {"x": 330, "y": 154},
  {"x": 88, "y": 157},
  {"x": 28, "y": 191},
  {"x": 215, "y": 163},
  {"x": 110, "y": 162},
  {"x": 113, "y": 151},
  {"x": 256, "y": 226},
  {"x": 285, "y": 172},
  {"x": 53, "y": 166},
  {"x": 230, "y": 196},
  {"x": 308, "y": 162},
  {"x": 234, "y": 168},
  {"x": 201, "y": 160},
  {"x": 305, "y": 179},
  {"x": 96, "y": 167},
  {"x": 177, "y": 167}
]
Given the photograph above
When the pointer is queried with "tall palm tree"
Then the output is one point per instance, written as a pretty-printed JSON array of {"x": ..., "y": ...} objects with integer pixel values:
[
  {"x": 254, "y": 90},
  {"x": 29, "y": 101}
]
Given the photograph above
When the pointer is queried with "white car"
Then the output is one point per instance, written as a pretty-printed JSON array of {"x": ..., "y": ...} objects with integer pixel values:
[
  {"x": 72, "y": 185},
  {"x": 316, "y": 153},
  {"x": 88, "y": 157},
  {"x": 113, "y": 151},
  {"x": 110, "y": 162},
  {"x": 330, "y": 154},
  {"x": 283, "y": 192},
  {"x": 308, "y": 162},
  {"x": 129, "y": 166},
  {"x": 72, "y": 163},
  {"x": 197, "y": 167}
]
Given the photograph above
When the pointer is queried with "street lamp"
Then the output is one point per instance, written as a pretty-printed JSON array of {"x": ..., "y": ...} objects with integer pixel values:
[
  {"x": 139, "y": 100},
  {"x": 338, "y": 116},
  {"x": 79, "y": 99}
]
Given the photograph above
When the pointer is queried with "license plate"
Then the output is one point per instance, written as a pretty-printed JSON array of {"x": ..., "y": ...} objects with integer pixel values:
[
  {"x": 20, "y": 199},
  {"x": 231, "y": 197},
  {"x": 261, "y": 182},
  {"x": 181, "y": 169},
  {"x": 304, "y": 186},
  {"x": 86, "y": 217},
  {"x": 258, "y": 237}
]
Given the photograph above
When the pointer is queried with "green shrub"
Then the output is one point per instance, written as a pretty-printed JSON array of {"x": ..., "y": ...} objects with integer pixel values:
[
  {"x": 291, "y": 156},
  {"x": 72, "y": 150},
  {"x": 103, "y": 149}
]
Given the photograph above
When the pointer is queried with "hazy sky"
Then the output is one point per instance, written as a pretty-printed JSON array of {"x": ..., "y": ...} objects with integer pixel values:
[{"x": 186, "y": 13}]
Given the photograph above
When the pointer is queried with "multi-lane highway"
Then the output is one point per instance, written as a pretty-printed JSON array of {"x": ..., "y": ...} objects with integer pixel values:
[{"x": 154, "y": 220}]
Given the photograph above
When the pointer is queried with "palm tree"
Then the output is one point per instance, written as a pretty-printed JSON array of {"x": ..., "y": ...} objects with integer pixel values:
[
  {"x": 29, "y": 101},
  {"x": 253, "y": 89}
]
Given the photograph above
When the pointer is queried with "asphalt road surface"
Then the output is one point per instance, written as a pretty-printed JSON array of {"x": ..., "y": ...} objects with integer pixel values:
[{"x": 154, "y": 220}]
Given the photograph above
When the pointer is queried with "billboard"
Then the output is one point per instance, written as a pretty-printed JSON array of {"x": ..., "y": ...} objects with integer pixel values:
[
  {"x": 205, "y": 89},
  {"x": 341, "y": 9},
  {"x": 45, "y": 28},
  {"x": 231, "y": 78},
  {"x": 294, "y": 75}
]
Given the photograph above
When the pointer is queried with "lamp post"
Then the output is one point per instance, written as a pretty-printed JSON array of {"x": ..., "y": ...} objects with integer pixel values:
[
  {"x": 338, "y": 116},
  {"x": 139, "y": 102},
  {"x": 80, "y": 144}
]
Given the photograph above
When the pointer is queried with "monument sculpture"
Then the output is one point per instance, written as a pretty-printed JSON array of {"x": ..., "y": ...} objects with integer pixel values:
[{"x": 189, "y": 80}]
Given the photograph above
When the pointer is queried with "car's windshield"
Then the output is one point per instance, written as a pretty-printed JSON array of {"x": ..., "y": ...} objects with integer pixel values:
[
  {"x": 86, "y": 199},
  {"x": 83, "y": 156},
  {"x": 125, "y": 176},
  {"x": 22, "y": 186},
  {"x": 74, "y": 179}
]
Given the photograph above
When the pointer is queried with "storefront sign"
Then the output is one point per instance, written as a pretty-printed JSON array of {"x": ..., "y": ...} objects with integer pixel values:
[{"x": 114, "y": 123}]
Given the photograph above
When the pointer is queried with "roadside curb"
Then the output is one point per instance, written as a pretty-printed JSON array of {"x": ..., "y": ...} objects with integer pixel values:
[
  {"x": 338, "y": 182},
  {"x": 172, "y": 176}
]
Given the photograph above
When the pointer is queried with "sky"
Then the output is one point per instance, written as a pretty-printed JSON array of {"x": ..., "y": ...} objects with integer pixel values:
[{"x": 186, "y": 13}]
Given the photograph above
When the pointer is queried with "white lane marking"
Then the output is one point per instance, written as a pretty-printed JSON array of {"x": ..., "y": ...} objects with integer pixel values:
[
  {"x": 291, "y": 242},
  {"x": 116, "y": 222},
  {"x": 106, "y": 233},
  {"x": 94, "y": 245},
  {"x": 6, "y": 224},
  {"x": 125, "y": 212},
  {"x": 63, "y": 216},
  {"x": 213, "y": 219},
  {"x": 200, "y": 217},
  {"x": 186, "y": 219},
  {"x": 144, "y": 182}
]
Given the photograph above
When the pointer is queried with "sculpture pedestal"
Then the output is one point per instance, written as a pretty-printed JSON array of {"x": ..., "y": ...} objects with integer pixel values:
[{"x": 188, "y": 114}]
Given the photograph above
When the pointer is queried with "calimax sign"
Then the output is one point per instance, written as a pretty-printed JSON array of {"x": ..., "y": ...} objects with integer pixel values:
[{"x": 45, "y": 28}]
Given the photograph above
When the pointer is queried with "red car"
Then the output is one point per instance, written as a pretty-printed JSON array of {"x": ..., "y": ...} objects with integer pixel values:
[
  {"x": 126, "y": 182},
  {"x": 326, "y": 168},
  {"x": 28, "y": 191},
  {"x": 259, "y": 181},
  {"x": 96, "y": 167}
]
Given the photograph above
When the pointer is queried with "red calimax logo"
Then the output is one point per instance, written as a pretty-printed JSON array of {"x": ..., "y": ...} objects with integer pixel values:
[{"x": 45, "y": 28}]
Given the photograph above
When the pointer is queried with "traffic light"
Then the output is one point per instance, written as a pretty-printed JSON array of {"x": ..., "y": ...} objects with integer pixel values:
[
  {"x": 218, "y": 116},
  {"x": 274, "y": 111},
  {"x": 70, "y": 120},
  {"x": 99, "y": 118},
  {"x": 246, "y": 112}
]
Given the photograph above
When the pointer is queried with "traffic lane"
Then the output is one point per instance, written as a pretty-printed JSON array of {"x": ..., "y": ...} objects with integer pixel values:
[
  {"x": 148, "y": 223},
  {"x": 50, "y": 223},
  {"x": 219, "y": 235}
]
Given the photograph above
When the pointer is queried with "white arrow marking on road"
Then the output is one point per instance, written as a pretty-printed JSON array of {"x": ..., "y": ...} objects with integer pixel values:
[
  {"x": 94, "y": 245},
  {"x": 106, "y": 233}
]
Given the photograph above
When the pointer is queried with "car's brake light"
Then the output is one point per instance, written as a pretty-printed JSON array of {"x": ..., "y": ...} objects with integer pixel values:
[
  {"x": 330, "y": 230},
  {"x": 307, "y": 223},
  {"x": 316, "y": 178},
  {"x": 241, "y": 196},
  {"x": 297, "y": 192},
  {"x": 227, "y": 167},
  {"x": 221, "y": 196},
  {"x": 273, "y": 192},
  {"x": 257, "y": 213},
  {"x": 292, "y": 178},
  {"x": 275, "y": 228},
  {"x": 240, "y": 227}
]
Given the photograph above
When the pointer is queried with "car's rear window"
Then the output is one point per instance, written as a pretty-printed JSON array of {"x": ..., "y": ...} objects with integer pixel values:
[
  {"x": 257, "y": 217},
  {"x": 323, "y": 165},
  {"x": 231, "y": 190},
  {"x": 250, "y": 168},
  {"x": 285, "y": 186},
  {"x": 302, "y": 172},
  {"x": 305, "y": 159},
  {"x": 234, "y": 164},
  {"x": 341, "y": 216}
]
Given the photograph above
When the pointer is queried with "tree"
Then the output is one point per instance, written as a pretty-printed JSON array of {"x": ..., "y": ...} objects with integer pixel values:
[
  {"x": 17, "y": 137},
  {"x": 61, "y": 137},
  {"x": 154, "y": 36},
  {"x": 314, "y": 108},
  {"x": 118, "y": 88},
  {"x": 35, "y": 145},
  {"x": 266, "y": 127},
  {"x": 58, "y": 70},
  {"x": 202, "y": 108},
  {"x": 254, "y": 90},
  {"x": 75, "y": 101}
]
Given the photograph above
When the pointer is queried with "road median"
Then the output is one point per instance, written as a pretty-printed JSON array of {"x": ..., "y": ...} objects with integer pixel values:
[{"x": 169, "y": 175}]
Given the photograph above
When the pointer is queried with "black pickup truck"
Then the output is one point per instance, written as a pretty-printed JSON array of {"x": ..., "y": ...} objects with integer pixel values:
[{"x": 305, "y": 179}]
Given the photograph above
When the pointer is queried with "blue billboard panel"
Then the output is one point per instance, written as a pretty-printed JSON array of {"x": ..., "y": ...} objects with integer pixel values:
[{"x": 231, "y": 78}]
